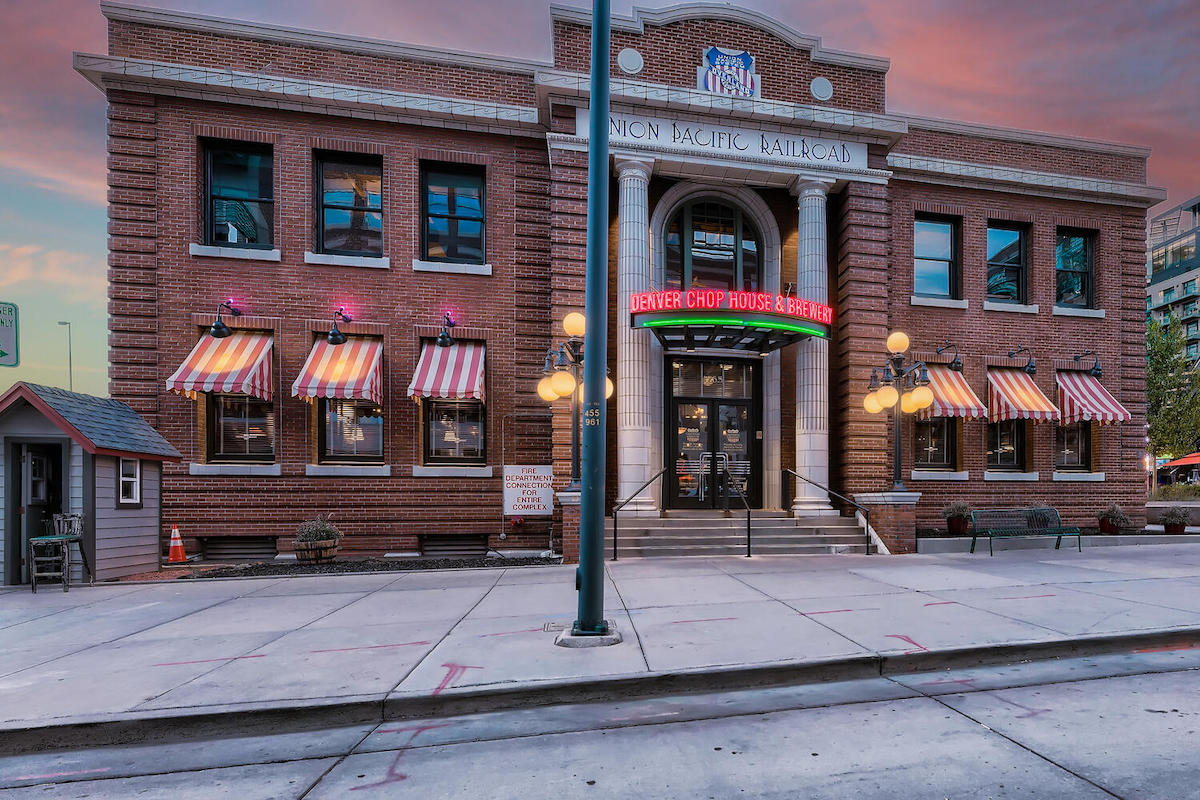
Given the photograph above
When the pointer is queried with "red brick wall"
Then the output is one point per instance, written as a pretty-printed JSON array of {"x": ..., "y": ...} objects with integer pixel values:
[{"x": 672, "y": 53}]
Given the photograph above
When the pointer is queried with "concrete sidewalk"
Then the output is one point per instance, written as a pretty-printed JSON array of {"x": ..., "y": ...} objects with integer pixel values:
[{"x": 362, "y": 647}]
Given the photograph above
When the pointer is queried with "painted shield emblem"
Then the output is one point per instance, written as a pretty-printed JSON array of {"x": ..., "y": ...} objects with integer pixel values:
[{"x": 729, "y": 72}]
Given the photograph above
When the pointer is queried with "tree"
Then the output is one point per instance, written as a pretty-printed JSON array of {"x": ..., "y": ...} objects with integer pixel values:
[{"x": 1172, "y": 391}]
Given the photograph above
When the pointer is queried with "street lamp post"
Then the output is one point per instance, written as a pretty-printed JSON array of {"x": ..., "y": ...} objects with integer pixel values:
[
  {"x": 70, "y": 358},
  {"x": 886, "y": 385}
]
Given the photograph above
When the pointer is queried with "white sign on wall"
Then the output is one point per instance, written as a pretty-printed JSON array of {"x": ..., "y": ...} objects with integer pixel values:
[
  {"x": 528, "y": 490},
  {"x": 704, "y": 138},
  {"x": 10, "y": 356}
]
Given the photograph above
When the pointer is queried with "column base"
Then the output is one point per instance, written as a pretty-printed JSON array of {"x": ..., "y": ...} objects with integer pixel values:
[
  {"x": 640, "y": 507},
  {"x": 569, "y": 638},
  {"x": 813, "y": 507}
]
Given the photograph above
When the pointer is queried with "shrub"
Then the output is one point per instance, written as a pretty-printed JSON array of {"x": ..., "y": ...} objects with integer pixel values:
[
  {"x": 1177, "y": 491},
  {"x": 959, "y": 508},
  {"x": 318, "y": 530},
  {"x": 1175, "y": 515},
  {"x": 1116, "y": 515}
]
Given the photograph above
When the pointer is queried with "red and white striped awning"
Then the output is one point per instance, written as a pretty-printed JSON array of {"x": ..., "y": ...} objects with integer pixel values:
[
  {"x": 1012, "y": 394},
  {"x": 348, "y": 370},
  {"x": 952, "y": 395},
  {"x": 1082, "y": 398},
  {"x": 452, "y": 373},
  {"x": 240, "y": 364}
]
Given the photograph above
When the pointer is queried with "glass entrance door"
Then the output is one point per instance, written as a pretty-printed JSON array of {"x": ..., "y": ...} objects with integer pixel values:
[{"x": 713, "y": 435}]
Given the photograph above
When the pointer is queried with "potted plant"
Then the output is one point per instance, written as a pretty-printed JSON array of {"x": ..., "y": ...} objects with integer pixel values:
[
  {"x": 1175, "y": 518},
  {"x": 956, "y": 515},
  {"x": 317, "y": 540},
  {"x": 1113, "y": 518}
]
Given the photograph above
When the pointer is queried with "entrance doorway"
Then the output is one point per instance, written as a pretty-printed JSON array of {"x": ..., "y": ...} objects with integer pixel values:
[
  {"x": 714, "y": 433},
  {"x": 35, "y": 483}
]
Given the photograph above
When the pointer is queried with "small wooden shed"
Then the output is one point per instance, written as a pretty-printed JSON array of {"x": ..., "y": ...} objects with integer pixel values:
[{"x": 71, "y": 453}]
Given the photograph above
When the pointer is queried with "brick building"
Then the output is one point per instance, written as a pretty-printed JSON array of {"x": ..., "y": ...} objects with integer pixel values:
[{"x": 771, "y": 223}]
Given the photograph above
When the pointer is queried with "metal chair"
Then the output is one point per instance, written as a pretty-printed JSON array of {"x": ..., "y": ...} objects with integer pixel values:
[{"x": 62, "y": 530}]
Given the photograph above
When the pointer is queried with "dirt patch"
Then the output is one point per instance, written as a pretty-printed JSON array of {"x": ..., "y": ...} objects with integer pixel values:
[{"x": 273, "y": 568}]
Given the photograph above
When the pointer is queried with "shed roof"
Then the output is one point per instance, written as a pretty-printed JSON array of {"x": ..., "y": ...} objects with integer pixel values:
[{"x": 99, "y": 425}]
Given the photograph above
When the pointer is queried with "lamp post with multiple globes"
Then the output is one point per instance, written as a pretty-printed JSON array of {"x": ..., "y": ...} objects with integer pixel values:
[
  {"x": 562, "y": 379},
  {"x": 902, "y": 387}
]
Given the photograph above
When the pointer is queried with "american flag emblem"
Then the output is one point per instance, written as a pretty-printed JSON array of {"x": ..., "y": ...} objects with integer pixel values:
[{"x": 729, "y": 72}]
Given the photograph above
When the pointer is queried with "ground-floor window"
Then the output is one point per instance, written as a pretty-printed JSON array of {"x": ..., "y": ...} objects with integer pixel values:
[
  {"x": 936, "y": 442},
  {"x": 1006, "y": 445},
  {"x": 351, "y": 430},
  {"x": 454, "y": 432},
  {"x": 240, "y": 428},
  {"x": 1073, "y": 446}
]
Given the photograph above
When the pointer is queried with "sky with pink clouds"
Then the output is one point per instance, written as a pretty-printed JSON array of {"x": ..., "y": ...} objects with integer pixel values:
[{"x": 1105, "y": 69}]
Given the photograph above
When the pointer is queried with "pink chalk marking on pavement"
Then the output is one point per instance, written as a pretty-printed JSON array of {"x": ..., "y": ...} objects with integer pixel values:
[
  {"x": 368, "y": 647},
  {"x": 1169, "y": 648},
  {"x": 710, "y": 619},
  {"x": 207, "y": 660},
  {"x": 1027, "y": 597},
  {"x": 393, "y": 775},
  {"x": 453, "y": 673},
  {"x": 1029, "y": 712},
  {"x": 920, "y": 647},
  {"x": 510, "y": 633},
  {"x": 836, "y": 611},
  {"x": 943, "y": 603},
  {"x": 59, "y": 774}
]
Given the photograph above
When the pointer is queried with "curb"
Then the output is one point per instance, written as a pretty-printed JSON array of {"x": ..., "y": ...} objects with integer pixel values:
[{"x": 250, "y": 719}]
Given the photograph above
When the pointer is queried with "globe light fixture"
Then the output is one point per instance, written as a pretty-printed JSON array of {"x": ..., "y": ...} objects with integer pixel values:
[
  {"x": 609, "y": 387},
  {"x": 546, "y": 391},
  {"x": 871, "y": 404},
  {"x": 574, "y": 324},
  {"x": 563, "y": 383},
  {"x": 897, "y": 342},
  {"x": 887, "y": 396},
  {"x": 901, "y": 384},
  {"x": 922, "y": 397},
  {"x": 907, "y": 404}
]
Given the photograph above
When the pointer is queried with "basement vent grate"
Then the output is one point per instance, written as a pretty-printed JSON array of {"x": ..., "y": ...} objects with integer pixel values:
[
  {"x": 454, "y": 545},
  {"x": 239, "y": 548}
]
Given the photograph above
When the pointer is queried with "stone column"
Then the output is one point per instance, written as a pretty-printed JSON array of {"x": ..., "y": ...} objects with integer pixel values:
[
  {"x": 812, "y": 357},
  {"x": 633, "y": 346}
]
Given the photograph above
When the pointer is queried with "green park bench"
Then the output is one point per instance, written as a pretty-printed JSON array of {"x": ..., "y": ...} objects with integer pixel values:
[{"x": 1009, "y": 522}]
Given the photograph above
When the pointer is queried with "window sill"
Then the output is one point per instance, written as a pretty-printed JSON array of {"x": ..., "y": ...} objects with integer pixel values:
[
  {"x": 1079, "y": 476},
  {"x": 1012, "y": 308},
  {"x": 939, "y": 302},
  {"x": 1002, "y": 475},
  {"x": 1071, "y": 311},
  {"x": 244, "y": 253},
  {"x": 939, "y": 475},
  {"x": 348, "y": 470},
  {"x": 450, "y": 471},
  {"x": 447, "y": 266},
  {"x": 264, "y": 470},
  {"x": 333, "y": 260}
]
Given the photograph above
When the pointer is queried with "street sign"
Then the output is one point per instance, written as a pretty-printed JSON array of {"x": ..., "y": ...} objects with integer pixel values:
[{"x": 10, "y": 353}]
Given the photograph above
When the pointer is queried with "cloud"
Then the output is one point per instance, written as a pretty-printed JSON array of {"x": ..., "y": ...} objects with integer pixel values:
[{"x": 83, "y": 276}]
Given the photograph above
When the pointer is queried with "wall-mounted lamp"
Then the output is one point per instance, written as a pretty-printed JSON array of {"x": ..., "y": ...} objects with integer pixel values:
[
  {"x": 1030, "y": 367},
  {"x": 219, "y": 330},
  {"x": 1095, "y": 371},
  {"x": 336, "y": 337},
  {"x": 956, "y": 364},
  {"x": 444, "y": 338}
]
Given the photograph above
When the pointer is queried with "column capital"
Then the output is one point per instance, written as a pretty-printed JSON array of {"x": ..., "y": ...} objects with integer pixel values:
[
  {"x": 809, "y": 187},
  {"x": 626, "y": 164}
]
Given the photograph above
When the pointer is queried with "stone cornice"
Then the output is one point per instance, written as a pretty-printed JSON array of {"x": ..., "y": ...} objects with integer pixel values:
[
  {"x": 636, "y": 23},
  {"x": 301, "y": 37},
  {"x": 876, "y": 127},
  {"x": 1029, "y": 137},
  {"x": 1023, "y": 181},
  {"x": 315, "y": 97}
]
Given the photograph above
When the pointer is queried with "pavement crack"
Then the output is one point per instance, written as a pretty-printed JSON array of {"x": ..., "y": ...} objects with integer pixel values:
[{"x": 628, "y": 616}]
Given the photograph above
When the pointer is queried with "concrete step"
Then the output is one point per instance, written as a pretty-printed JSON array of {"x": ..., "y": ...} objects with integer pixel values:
[
  {"x": 733, "y": 521},
  {"x": 715, "y": 537},
  {"x": 653, "y": 551}
]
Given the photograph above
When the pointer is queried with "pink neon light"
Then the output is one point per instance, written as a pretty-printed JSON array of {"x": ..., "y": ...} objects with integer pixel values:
[{"x": 719, "y": 299}]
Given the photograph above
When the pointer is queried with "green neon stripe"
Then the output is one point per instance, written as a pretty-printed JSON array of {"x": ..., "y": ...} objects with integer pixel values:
[{"x": 782, "y": 326}]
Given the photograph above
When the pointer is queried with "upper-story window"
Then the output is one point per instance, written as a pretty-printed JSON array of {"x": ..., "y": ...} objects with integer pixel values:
[
  {"x": 711, "y": 245},
  {"x": 455, "y": 213},
  {"x": 349, "y": 205},
  {"x": 1007, "y": 276},
  {"x": 1189, "y": 287},
  {"x": 935, "y": 257},
  {"x": 1168, "y": 294},
  {"x": 239, "y": 207},
  {"x": 1073, "y": 269}
]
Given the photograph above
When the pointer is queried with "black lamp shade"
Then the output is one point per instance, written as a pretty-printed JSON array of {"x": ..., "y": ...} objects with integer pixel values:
[
  {"x": 219, "y": 329},
  {"x": 336, "y": 337},
  {"x": 444, "y": 339}
]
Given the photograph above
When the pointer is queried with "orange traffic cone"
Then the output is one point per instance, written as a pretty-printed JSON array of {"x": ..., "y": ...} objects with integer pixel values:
[{"x": 176, "y": 554}]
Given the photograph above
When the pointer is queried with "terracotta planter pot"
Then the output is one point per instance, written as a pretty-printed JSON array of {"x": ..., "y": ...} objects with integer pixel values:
[
  {"x": 1175, "y": 528},
  {"x": 957, "y": 526},
  {"x": 318, "y": 552},
  {"x": 1108, "y": 526}
]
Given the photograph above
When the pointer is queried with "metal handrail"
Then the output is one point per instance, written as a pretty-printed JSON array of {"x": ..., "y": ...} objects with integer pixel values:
[
  {"x": 866, "y": 512},
  {"x": 730, "y": 482},
  {"x": 629, "y": 500}
]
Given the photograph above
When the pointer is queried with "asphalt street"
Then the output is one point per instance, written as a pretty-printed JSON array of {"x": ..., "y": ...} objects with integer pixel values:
[{"x": 1109, "y": 726}]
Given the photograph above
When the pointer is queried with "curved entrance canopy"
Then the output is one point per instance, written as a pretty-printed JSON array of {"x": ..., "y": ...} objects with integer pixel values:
[{"x": 757, "y": 322}]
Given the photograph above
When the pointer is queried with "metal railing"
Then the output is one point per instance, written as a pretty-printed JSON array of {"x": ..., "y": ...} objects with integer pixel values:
[
  {"x": 728, "y": 481},
  {"x": 629, "y": 500},
  {"x": 866, "y": 512}
]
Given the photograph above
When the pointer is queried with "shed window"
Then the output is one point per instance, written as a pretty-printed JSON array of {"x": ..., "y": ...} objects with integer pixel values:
[{"x": 130, "y": 480}]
